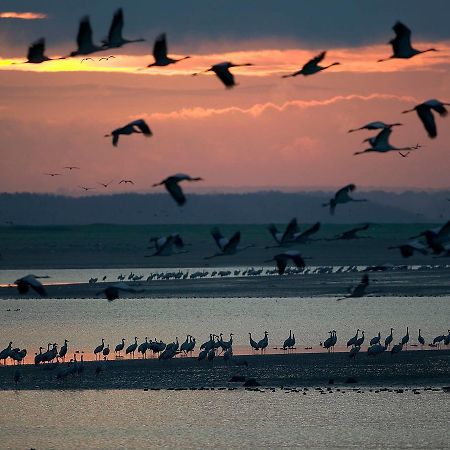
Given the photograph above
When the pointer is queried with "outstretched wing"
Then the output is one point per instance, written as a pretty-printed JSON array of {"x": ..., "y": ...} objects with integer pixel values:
[
  {"x": 224, "y": 75},
  {"x": 218, "y": 237},
  {"x": 310, "y": 231},
  {"x": 35, "y": 284},
  {"x": 175, "y": 191},
  {"x": 36, "y": 50},
  {"x": 427, "y": 118},
  {"x": 298, "y": 261},
  {"x": 315, "y": 61},
  {"x": 381, "y": 139},
  {"x": 160, "y": 47},
  {"x": 233, "y": 242},
  {"x": 143, "y": 127},
  {"x": 402, "y": 41},
  {"x": 291, "y": 229},
  {"x": 84, "y": 36},
  {"x": 444, "y": 232},
  {"x": 281, "y": 263},
  {"x": 115, "y": 30},
  {"x": 343, "y": 192}
]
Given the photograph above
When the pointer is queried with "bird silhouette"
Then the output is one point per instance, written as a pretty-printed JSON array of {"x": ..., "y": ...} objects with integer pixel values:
[
  {"x": 222, "y": 71},
  {"x": 115, "y": 38},
  {"x": 378, "y": 125},
  {"x": 173, "y": 187},
  {"x": 138, "y": 126},
  {"x": 342, "y": 196},
  {"x": 312, "y": 66},
  {"x": 160, "y": 53}
]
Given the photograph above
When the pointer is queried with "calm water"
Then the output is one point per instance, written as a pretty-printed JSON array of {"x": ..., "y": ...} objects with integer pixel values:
[
  {"x": 85, "y": 321},
  {"x": 224, "y": 419}
]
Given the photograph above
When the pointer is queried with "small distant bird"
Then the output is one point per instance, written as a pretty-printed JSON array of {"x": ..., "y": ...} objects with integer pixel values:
[
  {"x": 138, "y": 126},
  {"x": 71, "y": 167},
  {"x": 30, "y": 281},
  {"x": 222, "y": 71},
  {"x": 389, "y": 338},
  {"x": 378, "y": 125},
  {"x": 282, "y": 259},
  {"x": 421, "y": 339},
  {"x": 86, "y": 59},
  {"x": 342, "y": 196},
  {"x": 359, "y": 290},
  {"x": 107, "y": 58},
  {"x": 112, "y": 292},
  {"x": 380, "y": 144},
  {"x": 172, "y": 185},
  {"x": 85, "y": 46},
  {"x": 401, "y": 44},
  {"x": 352, "y": 234},
  {"x": 425, "y": 112},
  {"x": 160, "y": 53},
  {"x": 312, "y": 66},
  {"x": 105, "y": 185},
  {"x": 126, "y": 182},
  {"x": 407, "y": 250},
  {"x": 85, "y": 188},
  {"x": 115, "y": 38},
  {"x": 404, "y": 155},
  {"x": 52, "y": 174}
]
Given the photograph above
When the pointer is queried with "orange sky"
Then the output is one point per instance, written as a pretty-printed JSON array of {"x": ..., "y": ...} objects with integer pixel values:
[{"x": 265, "y": 132}]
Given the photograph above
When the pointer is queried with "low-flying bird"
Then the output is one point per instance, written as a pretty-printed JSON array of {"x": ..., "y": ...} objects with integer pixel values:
[
  {"x": 36, "y": 53},
  {"x": 85, "y": 45},
  {"x": 352, "y": 234},
  {"x": 107, "y": 58},
  {"x": 71, "y": 168},
  {"x": 312, "y": 66},
  {"x": 287, "y": 236},
  {"x": 304, "y": 236},
  {"x": 86, "y": 59},
  {"x": 115, "y": 38},
  {"x": 126, "y": 182},
  {"x": 53, "y": 174},
  {"x": 137, "y": 126},
  {"x": 425, "y": 112},
  {"x": 105, "y": 185},
  {"x": 30, "y": 281},
  {"x": 380, "y": 143},
  {"x": 174, "y": 189},
  {"x": 86, "y": 188},
  {"x": 282, "y": 259},
  {"x": 359, "y": 290},
  {"x": 160, "y": 53},
  {"x": 113, "y": 291},
  {"x": 404, "y": 155},
  {"x": 222, "y": 71},
  {"x": 437, "y": 238},
  {"x": 164, "y": 245},
  {"x": 227, "y": 246},
  {"x": 377, "y": 125},
  {"x": 342, "y": 196},
  {"x": 407, "y": 250},
  {"x": 401, "y": 44}
]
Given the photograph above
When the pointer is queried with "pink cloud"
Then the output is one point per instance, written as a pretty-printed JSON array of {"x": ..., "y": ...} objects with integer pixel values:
[{"x": 22, "y": 15}]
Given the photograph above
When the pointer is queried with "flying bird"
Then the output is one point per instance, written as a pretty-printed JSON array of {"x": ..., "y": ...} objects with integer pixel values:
[
  {"x": 36, "y": 53},
  {"x": 30, "y": 281},
  {"x": 227, "y": 246},
  {"x": 312, "y": 66},
  {"x": 404, "y": 155},
  {"x": 115, "y": 38},
  {"x": 107, "y": 58},
  {"x": 407, "y": 250},
  {"x": 113, "y": 291},
  {"x": 172, "y": 185},
  {"x": 86, "y": 59},
  {"x": 160, "y": 53},
  {"x": 164, "y": 245},
  {"x": 378, "y": 125},
  {"x": 352, "y": 234},
  {"x": 105, "y": 185},
  {"x": 126, "y": 182},
  {"x": 222, "y": 71},
  {"x": 286, "y": 237},
  {"x": 282, "y": 259},
  {"x": 52, "y": 174},
  {"x": 380, "y": 143},
  {"x": 71, "y": 167},
  {"x": 85, "y": 188},
  {"x": 437, "y": 238},
  {"x": 85, "y": 46},
  {"x": 342, "y": 196},
  {"x": 137, "y": 126},
  {"x": 359, "y": 290},
  {"x": 425, "y": 112},
  {"x": 401, "y": 44}
]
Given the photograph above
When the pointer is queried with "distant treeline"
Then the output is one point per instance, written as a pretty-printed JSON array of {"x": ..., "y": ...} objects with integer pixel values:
[{"x": 256, "y": 207}]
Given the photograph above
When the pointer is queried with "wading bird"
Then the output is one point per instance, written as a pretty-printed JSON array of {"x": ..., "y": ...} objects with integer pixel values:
[
  {"x": 253, "y": 344},
  {"x": 380, "y": 144},
  {"x": 85, "y": 46},
  {"x": 115, "y": 38},
  {"x": 173, "y": 188},
  {"x": 312, "y": 66},
  {"x": 264, "y": 342},
  {"x": 359, "y": 290},
  {"x": 160, "y": 53},
  {"x": 30, "y": 281},
  {"x": 389, "y": 338},
  {"x": 375, "y": 340},
  {"x": 425, "y": 113},
  {"x": 63, "y": 350},
  {"x": 119, "y": 347},
  {"x": 138, "y": 126},
  {"x": 132, "y": 348},
  {"x": 99, "y": 349},
  {"x": 352, "y": 341},
  {"x": 222, "y": 71},
  {"x": 421, "y": 339},
  {"x": 401, "y": 44},
  {"x": 342, "y": 196},
  {"x": 405, "y": 338},
  {"x": 282, "y": 259},
  {"x": 377, "y": 125}
]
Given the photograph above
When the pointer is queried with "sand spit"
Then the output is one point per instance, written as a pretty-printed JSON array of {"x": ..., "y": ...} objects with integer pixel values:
[
  {"x": 418, "y": 283},
  {"x": 415, "y": 369}
]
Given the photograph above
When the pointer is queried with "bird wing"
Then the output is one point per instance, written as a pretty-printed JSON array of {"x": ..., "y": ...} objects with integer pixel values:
[
  {"x": 427, "y": 118},
  {"x": 310, "y": 231},
  {"x": 115, "y": 139},
  {"x": 314, "y": 61},
  {"x": 444, "y": 231},
  {"x": 402, "y": 41},
  {"x": 160, "y": 47},
  {"x": 381, "y": 139},
  {"x": 115, "y": 30},
  {"x": 224, "y": 75},
  {"x": 233, "y": 242},
  {"x": 36, "y": 50},
  {"x": 343, "y": 192},
  {"x": 218, "y": 237},
  {"x": 298, "y": 260},
  {"x": 281, "y": 261},
  {"x": 179, "y": 243},
  {"x": 84, "y": 36},
  {"x": 142, "y": 125},
  {"x": 437, "y": 106},
  {"x": 35, "y": 284},
  {"x": 175, "y": 191},
  {"x": 291, "y": 229}
]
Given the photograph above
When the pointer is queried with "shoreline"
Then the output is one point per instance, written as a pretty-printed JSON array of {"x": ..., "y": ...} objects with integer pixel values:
[{"x": 420, "y": 368}]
